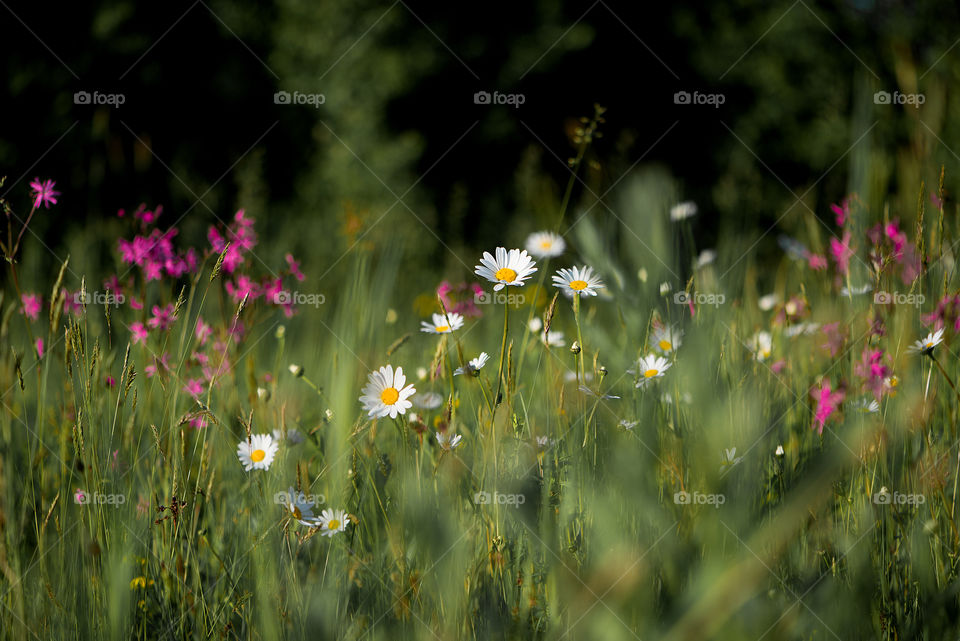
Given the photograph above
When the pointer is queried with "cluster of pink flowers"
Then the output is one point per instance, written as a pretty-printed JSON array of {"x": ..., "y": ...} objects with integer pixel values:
[
  {"x": 460, "y": 299},
  {"x": 890, "y": 244},
  {"x": 152, "y": 250},
  {"x": 946, "y": 314},
  {"x": 874, "y": 371}
]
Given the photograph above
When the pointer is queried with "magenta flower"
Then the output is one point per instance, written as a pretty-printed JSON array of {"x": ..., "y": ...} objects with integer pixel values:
[
  {"x": 203, "y": 331},
  {"x": 158, "y": 365},
  {"x": 31, "y": 305},
  {"x": 193, "y": 387},
  {"x": 43, "y": 193},
  {"x": 841, "y": 252},
  {"x": 294, "y": 267},
  {"x": 841, "y": 211},
  {"x": 817, "y": 262},
  {"x": 139, "y": 333},
  {"x": 39, "y": 348},
  {"x": 828, "y": 401},
  {"x": 874, "y": 371},
  {"x": 946, "y": 313},
  {"x": 163, "y": 317}
]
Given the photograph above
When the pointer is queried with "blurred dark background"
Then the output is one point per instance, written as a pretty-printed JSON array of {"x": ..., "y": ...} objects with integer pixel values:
[{"x": 199, "y": 130}]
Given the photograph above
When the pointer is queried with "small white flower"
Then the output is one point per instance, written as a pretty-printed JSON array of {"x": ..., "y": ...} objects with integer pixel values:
[
  {"x": 535, "y": 325},
  {"x": 474, "y": 366},
  {"x": 443, "y": 324},
  {"x": 855, "y": 290},
  {"x": 684, "y": 210},
  {"x": 801, "y": 328},
  {"x": 448, "y": 441},
  {"x": 545, "y": 244},
  {"x": 385, "y": 394},
  {"x": 421, "y": 373},
  {"x": 628, "y": 425},
  {"x": 651, "y": 368},
  {"x": 867, "y": 405},
  {"x": 332, "y": 522},
  {"x": 761, "y": 345},
  {"x": 554, "y": 339},
  {"x": 507, "y": 268},
  {"x": 729, "y": 458},
  {"x": 779, "y": 451},
  {"x": 577, "y": 280},
  {"x": 706, "y": 257},
  {"x": 257, "y": 453},
  {"x": 926, "y": 345},
  {"x": 665, "y": 288},
  {"x": 768, "y": 302},
  {"x": 545, "y": 442}
]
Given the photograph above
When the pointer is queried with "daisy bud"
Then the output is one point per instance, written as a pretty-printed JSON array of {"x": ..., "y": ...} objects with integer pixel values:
[
  {"x": 329, "y": 414},
  {"x": 263, "y": 394},
  {"x": 281, "y": 331},
  {"x": 575, "y": 348},
  {"x": 296, "y": 370}
]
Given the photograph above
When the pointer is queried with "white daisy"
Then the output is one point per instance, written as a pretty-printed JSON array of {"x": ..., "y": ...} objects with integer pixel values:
[
  {"x": 867, "y": 405},
  {"x": 331, "y": 522},
  {"x": 474, "y": 366},
  {"x": 427, "y": 400},
  {"x": 300, "y": 507},
  {"x": 257, "y": 453},
  {"x": 684, "y": 210},
  {"x": 443, "y": 324},
  {"x": 855, "y": 290},
  {"x": 706, "y": 257},
  {"x": 729, "y": 458},
  {"x": 545, "y": 244},
  {"x": 926, "y": 345},
  {"x": 508, "y": 268},
  {"x": 652, "y": 367},
  {"x": 761, "y": 345},
  {"x": 577, "y": 281},
  {"x": 768, "y": 302},
  {"x": 665, "y": 288},
  {"x": 448, "y": 441},
  {"x": 801, "y": 328},
  {"x": 666, "y": 339},
  {"x": 385, "y": 394},
  {"x": 545, "y": 442},
  {"x": 535, "y": 325},
  {"x": 628, "y": 425}
]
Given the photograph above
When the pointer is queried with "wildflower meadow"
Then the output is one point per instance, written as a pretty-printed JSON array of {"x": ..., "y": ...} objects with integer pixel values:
[{"x": 572, "y": 389}]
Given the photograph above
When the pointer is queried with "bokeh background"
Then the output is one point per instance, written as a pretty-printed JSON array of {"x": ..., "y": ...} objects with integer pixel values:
[{"x": 199, "y": 131}]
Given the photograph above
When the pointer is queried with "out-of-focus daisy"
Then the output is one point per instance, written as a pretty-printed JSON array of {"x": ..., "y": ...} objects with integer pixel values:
[
  {"x": 448, "y": 441},
  {"x": 545, "y": 442},
  {"x": 535, "y": 325},
  {"x": 427, "y": 400},
  {"x": 506, "y": 268},
  {"x": 779, "y": 451},
  {"x": 926, "y": 345},
  {"x": 628, "y": 425},
  {"x": 257, "y": 453},
  {"x": 577, "y": 280},
  {"x": 666, "y": 338},
  {"x": 684, "y": 210},
  {"x": 867, "y": 405},
  {"x": 300, "y": 507},
  {"x": 545, "y": 244},
  {"x": 332, "y": 522},
  {"x": 768, "y": 302},
  {"x": 385, "y": 394},
  {"x": 761, "y": 345},
  {"x": 856, "y": 291},
  {"x": 474, "y": 366},
  {"x": 294, "y": 437},
  {"x": 685, "y": 397},
  {"x": 651, "y": 367},
  {"x": 606, "y": 397},
  {"x": 665, "y": 288},
  {"x": 729, "y": 458},
  {"x": 554, "y": 339},
  {"x": 801, "y": 328},
  {"x": 443, "y": 324},
  {"x": 706, "y": 257}
]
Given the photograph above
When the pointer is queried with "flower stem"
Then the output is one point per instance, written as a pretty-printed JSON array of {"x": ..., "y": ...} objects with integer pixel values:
[{"x": 503, "y": 353}]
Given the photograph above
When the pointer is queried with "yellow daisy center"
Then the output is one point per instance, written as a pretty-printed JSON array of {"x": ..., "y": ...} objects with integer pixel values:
[
  {"x": 650, "y": 373},
  {"x": 442, "y": 328},
  {"x": 578, "y": 285},
  {"x": 257, "y": 455},
  {"x": 546, "y": 244},
  {"x": 506, "y": 274},
  {"x": 333, "y": 524},
  {"x": 665, "y": 345},
  {"x": 389, "y": 396},
  {"x": 296, "y": 512},
  {"x": 928, "y": 344}
]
